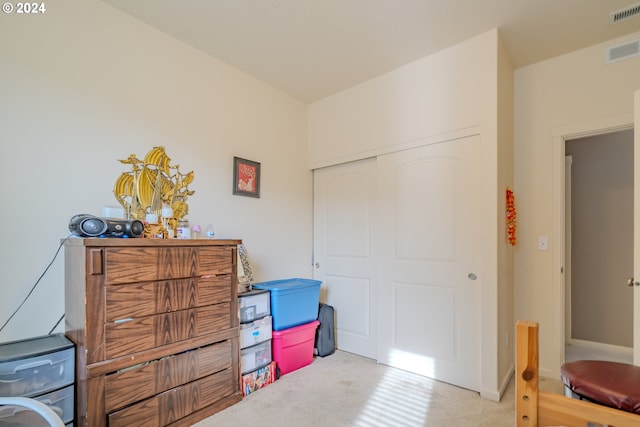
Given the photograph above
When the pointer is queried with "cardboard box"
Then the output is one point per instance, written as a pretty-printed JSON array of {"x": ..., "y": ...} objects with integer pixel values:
[{"x": 259, "y": 378}]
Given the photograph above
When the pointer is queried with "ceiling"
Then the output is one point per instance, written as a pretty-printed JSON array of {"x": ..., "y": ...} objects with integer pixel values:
[{"x": 313, "y": 48}]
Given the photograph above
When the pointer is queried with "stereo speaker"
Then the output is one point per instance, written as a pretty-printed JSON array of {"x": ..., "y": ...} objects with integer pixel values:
[{"x": 86, "y": 225}]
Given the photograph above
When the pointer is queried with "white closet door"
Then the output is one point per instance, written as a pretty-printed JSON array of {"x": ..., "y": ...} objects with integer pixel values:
[
  {"x": 344, "y": 221},
  {"x": 429, "y": 281}
]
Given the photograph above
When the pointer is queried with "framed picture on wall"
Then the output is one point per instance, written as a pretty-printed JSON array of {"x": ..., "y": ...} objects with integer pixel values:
[{"x": 246, "y": 177}]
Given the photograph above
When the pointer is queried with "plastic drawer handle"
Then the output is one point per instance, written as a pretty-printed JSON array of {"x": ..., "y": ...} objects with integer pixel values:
[{"x": 33, "y": 365}]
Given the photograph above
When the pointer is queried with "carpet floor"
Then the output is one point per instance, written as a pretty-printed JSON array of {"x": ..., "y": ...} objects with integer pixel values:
[{"x": 349, "y": 390}]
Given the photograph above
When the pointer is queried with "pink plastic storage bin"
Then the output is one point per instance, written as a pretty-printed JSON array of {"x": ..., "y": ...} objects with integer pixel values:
[{"x": 293, "y": 347}]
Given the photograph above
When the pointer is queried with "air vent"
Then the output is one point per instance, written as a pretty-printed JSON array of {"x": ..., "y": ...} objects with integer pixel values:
[
  {"x": 623, "y": 51},
  {"x": 624, "y": 13}
]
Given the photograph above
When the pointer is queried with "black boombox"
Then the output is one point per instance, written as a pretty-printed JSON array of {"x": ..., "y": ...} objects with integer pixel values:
[{"x": 86, "y": 225}]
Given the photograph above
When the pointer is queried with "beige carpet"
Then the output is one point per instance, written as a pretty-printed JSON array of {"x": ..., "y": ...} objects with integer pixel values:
[{"x": 348, "y": 390}]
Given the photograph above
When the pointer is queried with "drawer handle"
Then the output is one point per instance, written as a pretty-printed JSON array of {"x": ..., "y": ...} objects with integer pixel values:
[
  {"x": 208, "y": 276},
  {"x": 33, "y": 365},
  {"x": 128, "y": 319}
]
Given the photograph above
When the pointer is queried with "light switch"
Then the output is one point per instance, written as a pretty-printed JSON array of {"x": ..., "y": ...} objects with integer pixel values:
[{"x": 543, "y": 243}]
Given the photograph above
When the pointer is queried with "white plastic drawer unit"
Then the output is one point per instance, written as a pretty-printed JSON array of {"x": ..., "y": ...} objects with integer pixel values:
[
  {"x": 253, "y": 305},
  {"x": 255, "y": 332},
  {"x": 61, "y": 401},
  {"x": 36, "y": 366},
  {"x": 255, "y": 357}
]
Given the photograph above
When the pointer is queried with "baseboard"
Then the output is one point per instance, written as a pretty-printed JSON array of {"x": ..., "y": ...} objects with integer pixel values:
[
  {"x": 507, "y": 379},
  {"x": 496, "y": 395},
  {"x": 601, "y": 347}
]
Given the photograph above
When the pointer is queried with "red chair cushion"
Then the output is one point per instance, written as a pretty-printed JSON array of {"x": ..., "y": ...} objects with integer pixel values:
[{"x": 612, "y": 384}]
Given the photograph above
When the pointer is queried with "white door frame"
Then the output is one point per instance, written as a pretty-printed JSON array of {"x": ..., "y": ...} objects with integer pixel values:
[
  {"x": 560, "y": 135},
  {"x": 636, "y": 229},
  {"x": 568, "y": 161}
]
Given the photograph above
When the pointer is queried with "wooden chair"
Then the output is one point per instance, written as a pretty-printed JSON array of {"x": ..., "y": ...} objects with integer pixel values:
[{"x": 535, "y": 408}]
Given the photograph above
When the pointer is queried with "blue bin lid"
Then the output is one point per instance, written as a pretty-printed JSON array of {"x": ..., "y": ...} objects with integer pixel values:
[{"x": 287, "y": 284}]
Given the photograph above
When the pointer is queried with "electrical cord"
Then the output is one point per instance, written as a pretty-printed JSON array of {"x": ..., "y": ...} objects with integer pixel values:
[
  {"x": 35, "y": 285},
  {"x": 56, "y": 325}
]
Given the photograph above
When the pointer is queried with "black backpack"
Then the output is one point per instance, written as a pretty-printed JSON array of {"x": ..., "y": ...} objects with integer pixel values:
[{"x": 325, "y": 343}]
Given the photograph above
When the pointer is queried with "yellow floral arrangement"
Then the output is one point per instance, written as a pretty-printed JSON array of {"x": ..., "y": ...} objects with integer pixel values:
[{"x": 153, "y": 185}]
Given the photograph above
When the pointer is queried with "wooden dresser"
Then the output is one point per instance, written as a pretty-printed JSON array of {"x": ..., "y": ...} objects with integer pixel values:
[{"x": 156, "y": 329}]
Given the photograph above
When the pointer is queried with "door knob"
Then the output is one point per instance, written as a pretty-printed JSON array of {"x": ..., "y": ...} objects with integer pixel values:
[
  {"x": 317, "y": 265},
  {"x": 472, "y": 276},
  {"x": 630, "y": 282}
]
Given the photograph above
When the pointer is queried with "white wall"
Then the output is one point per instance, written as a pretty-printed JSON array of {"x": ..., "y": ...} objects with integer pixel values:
[
  {"x": 573, "y": 91},
  {"x": 84, "y": 85},
  {"x": 506, "y": 324},
  {"x": 440, "y": 94}
]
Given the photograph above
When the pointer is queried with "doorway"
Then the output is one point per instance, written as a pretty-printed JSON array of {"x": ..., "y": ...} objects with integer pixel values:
[{"x": 599, "y": 246}]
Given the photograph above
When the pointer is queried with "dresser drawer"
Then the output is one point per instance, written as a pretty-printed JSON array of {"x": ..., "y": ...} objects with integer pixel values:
[
  {"x": 134, "y": 335},
  {"x": 138, "y": 383},
  {"x": 130, "y": 265},
  {"x": 171, "y": 405},
  {"x": 137, "y": 300},
  {"x": 216, "y": 260}
]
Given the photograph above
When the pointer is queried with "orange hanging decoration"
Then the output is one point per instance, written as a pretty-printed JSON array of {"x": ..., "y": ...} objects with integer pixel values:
[{"x": 511, "y": 217}]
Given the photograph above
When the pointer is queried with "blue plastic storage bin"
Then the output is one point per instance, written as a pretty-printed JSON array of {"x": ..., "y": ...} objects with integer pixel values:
[{"x": 293, "y": 301}]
